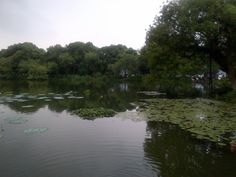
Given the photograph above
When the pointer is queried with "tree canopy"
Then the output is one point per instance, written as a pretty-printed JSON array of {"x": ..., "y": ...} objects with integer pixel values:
[
  {"x": 190, "y": 32},
  {"x": 27, "y": 61}
]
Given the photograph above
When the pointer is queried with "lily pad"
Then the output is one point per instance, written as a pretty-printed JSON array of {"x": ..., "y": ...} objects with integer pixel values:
[
  {"x": 151, "y": 93},
  {"x": 15, "y": 120},
  {"x": 20, "y": 100},
  {"x": 27, "y": 106},
  {"x": 203, "y": 118},
  {"x": 92, "y": 113},
  {"x": 58, "y": 98},
  {"x": 32, "y": 97},
  {"x": 42, "y": 98},
  {"x": 68, "y": 93},
  {"x": 75, "y": 97},
  {"x": 18, "y": 96},
  {"x": 35, "y": 130}
]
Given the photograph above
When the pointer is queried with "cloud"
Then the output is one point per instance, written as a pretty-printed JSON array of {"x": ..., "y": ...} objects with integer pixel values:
[{"x": 103, "y": 22}]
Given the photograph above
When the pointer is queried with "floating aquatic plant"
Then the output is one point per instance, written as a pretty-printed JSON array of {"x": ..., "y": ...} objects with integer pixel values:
[
  {"x": 203, "y": 118},
  {"x": 58, "y": 98},
  {"x": 42, "y": 98},
  {"x": 27, "y": 106},
  {"x": 68, "y": 93},
  {"x": 92, "y": 113},
  {"x": 19, "y": 96},
  {"x": 75, "y": 97},
  {"x": 151, "y": 93},
  {"x": 20, "y": 100},
  {"x": 31, "y": 96},
  {"x": 35, "y": 130},
  {"x": 15, "y": 120}
]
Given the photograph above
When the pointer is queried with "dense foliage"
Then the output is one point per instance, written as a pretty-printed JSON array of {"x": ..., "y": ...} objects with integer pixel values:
[
  {"x": 189, "y": 33},
  {"x": 25, "y": 60}
]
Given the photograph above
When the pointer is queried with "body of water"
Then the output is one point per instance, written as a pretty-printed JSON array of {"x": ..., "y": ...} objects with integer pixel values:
[{"x": 40, "y": 136}]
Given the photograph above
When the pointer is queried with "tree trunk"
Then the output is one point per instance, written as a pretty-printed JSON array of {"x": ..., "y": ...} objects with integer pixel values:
[
  {"x": 232, "y": 76},
  {"x": 227, "y": 66}
]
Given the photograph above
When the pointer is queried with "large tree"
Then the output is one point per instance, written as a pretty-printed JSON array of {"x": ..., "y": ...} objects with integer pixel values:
[{"x": 195, "y": 30}]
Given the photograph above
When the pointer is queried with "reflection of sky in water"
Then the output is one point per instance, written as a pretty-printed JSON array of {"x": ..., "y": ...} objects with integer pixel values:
[
  {"x": 125, "y": 145},
  {"x": 72, "y": 146},
  {"x": 124, "y": 87}
]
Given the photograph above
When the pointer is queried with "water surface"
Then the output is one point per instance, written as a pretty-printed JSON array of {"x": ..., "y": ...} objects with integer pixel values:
[{"x": 125, "y": 145}]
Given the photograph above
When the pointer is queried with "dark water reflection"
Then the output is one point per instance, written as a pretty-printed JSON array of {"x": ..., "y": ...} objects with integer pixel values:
[
  {"x": 121, "y": 146},
  {"x": 176, "y": 154},
  {"x": 116, "y": 96}
]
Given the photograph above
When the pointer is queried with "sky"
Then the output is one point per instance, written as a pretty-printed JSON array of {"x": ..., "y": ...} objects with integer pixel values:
[{"x": 102, "y": 22}]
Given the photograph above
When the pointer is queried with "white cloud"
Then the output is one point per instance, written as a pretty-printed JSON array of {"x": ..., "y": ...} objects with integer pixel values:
[{"x": 103, "y": 22}]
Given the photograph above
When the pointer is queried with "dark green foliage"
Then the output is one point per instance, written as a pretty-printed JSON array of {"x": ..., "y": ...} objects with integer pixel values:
[
  {"x": 92, "y": 113},
  {"x": 22, "y": 60},
  {"x": 188, "y": 33},
  {"x": 26, "y": 61}
]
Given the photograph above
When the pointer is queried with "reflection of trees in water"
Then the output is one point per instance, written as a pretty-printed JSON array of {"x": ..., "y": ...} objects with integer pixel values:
[
  {"x": 176, "y": 154},
  {"x": 108, "y": 97},
  {"x": 17, "y": 106},
  {"x": 31, "y": 87}
]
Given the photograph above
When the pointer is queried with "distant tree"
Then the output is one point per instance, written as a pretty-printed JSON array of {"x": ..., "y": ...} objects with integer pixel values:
[
  {"x": 126, "y": 66},
  {"x": 14, "y": 55},
  {"x": 27, "y": 61},
  {"x": 33, "y": 70},
  {"x": 52, "y": 58}
]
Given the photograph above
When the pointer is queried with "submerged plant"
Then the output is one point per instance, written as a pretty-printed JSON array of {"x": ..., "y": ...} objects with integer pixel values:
[{"x": 92, "y": 113}]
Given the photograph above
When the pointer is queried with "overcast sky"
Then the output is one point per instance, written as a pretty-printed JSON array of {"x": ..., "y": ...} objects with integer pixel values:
[{"x": 50, "y": 22}]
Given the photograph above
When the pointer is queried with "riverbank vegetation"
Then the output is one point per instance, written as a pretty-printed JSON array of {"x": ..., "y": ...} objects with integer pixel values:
[
  {"x": 189, "y": 41},
  {"x": 27, "y": 61}
]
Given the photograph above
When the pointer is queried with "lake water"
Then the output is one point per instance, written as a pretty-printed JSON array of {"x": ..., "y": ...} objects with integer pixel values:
[{"x": 41, "y": 137}]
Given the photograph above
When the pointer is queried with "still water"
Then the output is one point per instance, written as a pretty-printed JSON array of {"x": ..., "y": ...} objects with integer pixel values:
[{"x": 41, "y": 137}]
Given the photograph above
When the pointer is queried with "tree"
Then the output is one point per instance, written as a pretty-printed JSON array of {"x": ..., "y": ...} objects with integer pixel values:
[
  {"x": 126, "y": 66},
  {"x": 52, "y": 58},
  {"x": 12, "y": 57},
  {"x": 192, "y": 31},
  {"x": 33, "y": 70}
]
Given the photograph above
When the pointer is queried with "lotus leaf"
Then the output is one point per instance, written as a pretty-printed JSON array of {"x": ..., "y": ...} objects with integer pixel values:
[
  {"x": 35, "y": 130},
  {"x": 16, "y": 120},
  {"x": 27, "y": 106},
  {"x": 203, "y": 118},
  {"x": 92, "y": 113}
]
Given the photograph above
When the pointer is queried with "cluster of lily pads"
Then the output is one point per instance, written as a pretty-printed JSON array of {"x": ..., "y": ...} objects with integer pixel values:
[
  {"x": 20, "y": 120},
  {"x": 205, "y": 119},
  {"x": 9, "y": 97},
  {"x": 92, "y": 113}
]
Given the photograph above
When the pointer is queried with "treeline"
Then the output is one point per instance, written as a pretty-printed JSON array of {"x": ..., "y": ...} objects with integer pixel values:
[
  {"x": 27, "y": 61},
  {"x": 187, "y": 40}
]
